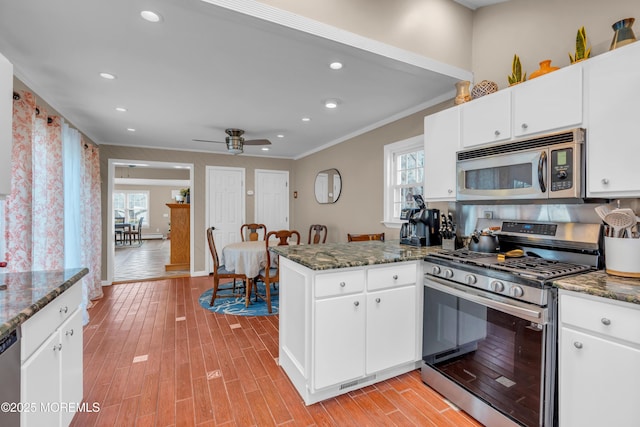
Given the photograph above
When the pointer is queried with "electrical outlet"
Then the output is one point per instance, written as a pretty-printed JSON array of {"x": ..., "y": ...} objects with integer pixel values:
[{"x": 488, "y": 214}]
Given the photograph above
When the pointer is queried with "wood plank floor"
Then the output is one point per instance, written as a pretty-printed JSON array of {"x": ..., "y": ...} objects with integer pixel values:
[{"x": 154, "y": 357}]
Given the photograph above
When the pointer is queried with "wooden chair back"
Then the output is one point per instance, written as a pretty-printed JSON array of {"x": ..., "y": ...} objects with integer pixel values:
[
  {"x": 250, "y": 231},
  {"x": 364, "y": 237},
  {"x": 212, "y": 249},
  {"x": 317, "y": 234},
  {"x": 284, "y": 237}
]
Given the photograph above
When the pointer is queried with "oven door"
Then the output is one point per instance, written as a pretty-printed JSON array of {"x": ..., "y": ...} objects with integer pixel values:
[
  {"x": 517, "y": 175},
  {"x": 499, "y": 354}
]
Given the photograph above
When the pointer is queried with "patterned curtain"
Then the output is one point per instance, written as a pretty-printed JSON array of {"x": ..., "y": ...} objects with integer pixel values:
[{"x": 35, "y": 210}]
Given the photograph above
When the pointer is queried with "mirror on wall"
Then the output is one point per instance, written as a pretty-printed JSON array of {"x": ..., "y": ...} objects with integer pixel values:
[{"x": 328, "y": 186}]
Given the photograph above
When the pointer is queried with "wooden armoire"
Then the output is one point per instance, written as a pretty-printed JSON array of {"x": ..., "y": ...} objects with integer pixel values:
[{"x": 180, "y": 243}]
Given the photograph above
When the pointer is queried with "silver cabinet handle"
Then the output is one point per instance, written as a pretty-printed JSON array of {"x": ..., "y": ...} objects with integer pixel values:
[
  {"x": 357, "y": 303},
  {"x": 605, "y": 181},
  {"x": 64, "y": 309},
  {"x": 497, "y": 133},
  {"x": 525, "y": 126},
  {"x": 69, "y": 332},
  {"x": 377, "y": 299},
  {"x": 342, "y": 284},
  {"x": 449, "y": 191},
  {"x": 57, "y": 347},
  {"x": 605, "y": 321},
  {"x": 577, "y": 344},
  {"x": 395, "y": 277}
]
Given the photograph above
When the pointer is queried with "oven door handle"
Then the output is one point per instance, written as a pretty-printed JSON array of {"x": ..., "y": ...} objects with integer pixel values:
[{"x": 536, "y": 315}]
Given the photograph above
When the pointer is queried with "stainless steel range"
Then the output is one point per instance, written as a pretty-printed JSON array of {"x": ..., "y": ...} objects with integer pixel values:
[{"x": 490, "y": 332}]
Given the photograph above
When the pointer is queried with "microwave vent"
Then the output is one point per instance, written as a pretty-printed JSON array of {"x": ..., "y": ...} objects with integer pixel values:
[{"x": 574, "y": 135}]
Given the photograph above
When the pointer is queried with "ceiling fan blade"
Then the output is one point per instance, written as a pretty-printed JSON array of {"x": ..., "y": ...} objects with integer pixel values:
[
  {"x": 257, "y": 142},
  {"x": 206, "y": 140}
]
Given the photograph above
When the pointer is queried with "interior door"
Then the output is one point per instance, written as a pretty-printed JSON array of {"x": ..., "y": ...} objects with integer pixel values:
[
  {"x": 225, "y": 206},
  {"x": 272, "y": 199}
]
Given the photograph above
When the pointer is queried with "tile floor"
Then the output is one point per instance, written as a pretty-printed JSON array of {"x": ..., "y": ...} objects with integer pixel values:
[
  {"x": 144, "y": 262},
  {"x": 154, "y": 357}
]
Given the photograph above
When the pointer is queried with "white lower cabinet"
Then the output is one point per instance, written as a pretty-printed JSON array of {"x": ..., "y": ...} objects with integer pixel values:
[
  {"x": 51, "y": 375},
  {"x": 599, "y": 356},
  {"x": 344, "y": 329}
]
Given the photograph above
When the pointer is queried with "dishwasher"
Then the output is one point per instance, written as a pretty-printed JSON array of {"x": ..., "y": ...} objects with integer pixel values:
[{"x": 10, "y": 379}]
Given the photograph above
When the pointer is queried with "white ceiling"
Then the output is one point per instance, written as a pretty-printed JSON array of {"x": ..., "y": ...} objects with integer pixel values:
[{"x": 205, "y": 68}]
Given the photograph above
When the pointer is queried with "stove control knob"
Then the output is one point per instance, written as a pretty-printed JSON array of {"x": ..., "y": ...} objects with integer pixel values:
[
  {"x": 448, "y": 273},
  {"x": 471, "y": 279},
  {"x": 517, "y": 291},
  {"x": 435, "y": 270},
  {"x": 497, "y": 286}
]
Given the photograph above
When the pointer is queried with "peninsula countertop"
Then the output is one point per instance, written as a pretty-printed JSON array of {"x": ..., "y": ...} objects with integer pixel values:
[
  {"x": 24, "y": 294},
  {"x": 353, "y": 254},
  {"x": 601, "y": 284}
]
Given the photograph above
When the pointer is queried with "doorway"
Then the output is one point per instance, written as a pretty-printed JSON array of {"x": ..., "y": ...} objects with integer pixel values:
[{"x": 147, "y": 260}]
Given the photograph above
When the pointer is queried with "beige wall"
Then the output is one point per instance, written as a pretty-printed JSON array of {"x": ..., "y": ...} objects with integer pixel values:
[
  {"x": 541, "y": 29},
  {"x": 200, "y": 162},
  {"x": 437, "y": 29}
]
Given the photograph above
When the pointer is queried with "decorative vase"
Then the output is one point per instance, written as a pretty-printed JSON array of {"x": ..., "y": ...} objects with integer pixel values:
[
  {"x": 623, "y": 33},
  {"x": 483, "y": 88},
  {"x": 462, "y": 92},
  {"x": 545, "y": 67}
]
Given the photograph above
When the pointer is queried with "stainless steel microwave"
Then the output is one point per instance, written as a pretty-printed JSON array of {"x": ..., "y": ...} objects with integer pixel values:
[{"x": 551, "y": 166}]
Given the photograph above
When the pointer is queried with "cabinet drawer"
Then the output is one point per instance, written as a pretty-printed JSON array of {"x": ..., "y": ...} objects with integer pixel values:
[
  {"x": 604, "y": 317},
  {"x": 37, "y": 328},
  {"x": 339, "y": 283},
  {"x": 391, "y": 276}
]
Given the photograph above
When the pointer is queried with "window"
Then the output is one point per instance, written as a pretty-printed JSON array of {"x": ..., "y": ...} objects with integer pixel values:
[
  {"x": 403, "y": 176},
  {"x": 130, "y": 206}
]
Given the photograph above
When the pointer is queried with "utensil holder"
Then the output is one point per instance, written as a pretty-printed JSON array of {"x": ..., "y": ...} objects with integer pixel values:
[
  {"x": 449, "y": 244},
  {"x": 622, "y": 256}
]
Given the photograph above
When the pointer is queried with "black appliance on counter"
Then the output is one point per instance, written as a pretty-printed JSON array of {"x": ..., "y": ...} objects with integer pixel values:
[{"x": 422, "y": 228}]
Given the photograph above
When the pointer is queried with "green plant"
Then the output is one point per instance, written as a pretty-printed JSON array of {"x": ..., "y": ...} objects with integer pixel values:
[
  {"x": 516, "y": 72},
  {"x": 184, "y": 192},
  {"x": 581, "y": 47}
]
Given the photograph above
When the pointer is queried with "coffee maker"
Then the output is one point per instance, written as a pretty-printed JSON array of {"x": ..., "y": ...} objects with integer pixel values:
[{"x": 421, "y": 228}]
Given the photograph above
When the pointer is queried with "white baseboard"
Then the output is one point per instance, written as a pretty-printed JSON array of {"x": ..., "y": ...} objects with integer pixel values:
[{"x": 151, "y": 236}]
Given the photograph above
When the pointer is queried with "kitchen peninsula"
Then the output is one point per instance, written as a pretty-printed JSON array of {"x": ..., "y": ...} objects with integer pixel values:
[{"x": 349, "y": 314}]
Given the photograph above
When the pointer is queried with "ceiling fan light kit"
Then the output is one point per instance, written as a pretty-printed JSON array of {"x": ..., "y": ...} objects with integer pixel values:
[{"x": 235, "y": 142}]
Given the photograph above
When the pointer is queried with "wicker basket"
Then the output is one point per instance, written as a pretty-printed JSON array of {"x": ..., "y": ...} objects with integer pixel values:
[{"x": 483, "y": 88}]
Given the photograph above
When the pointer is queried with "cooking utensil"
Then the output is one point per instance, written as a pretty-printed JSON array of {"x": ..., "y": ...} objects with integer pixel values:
[
  {"x": 514, "y": 253},
  {"x": 602, "y": 211},
  {"x": 620, "y": 219}
]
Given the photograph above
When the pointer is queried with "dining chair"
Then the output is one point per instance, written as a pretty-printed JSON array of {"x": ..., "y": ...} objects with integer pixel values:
[
  {"x": 317, "y": 234},
  {"x": 364, "y": 237},
  {"x": 135, "y": 233},
  {"x": 219, "y": 271},
  {"x": 252, "y": 230},
  {"x": 270, "y": 274}
]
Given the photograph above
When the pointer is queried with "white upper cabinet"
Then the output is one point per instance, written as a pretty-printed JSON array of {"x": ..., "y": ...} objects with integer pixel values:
[
  {"x": 486, "y": 119},
  {"x": 550, "y": 102},
  {"x": 6, "y": 131},
  {"x": 612, "y": 82},
  {"x": 441, "y": 141}
]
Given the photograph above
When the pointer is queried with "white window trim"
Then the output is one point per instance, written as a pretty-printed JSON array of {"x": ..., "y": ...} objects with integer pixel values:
[
  {"x": 398, "y": 147},
  {"x": 145, "y": 221}
]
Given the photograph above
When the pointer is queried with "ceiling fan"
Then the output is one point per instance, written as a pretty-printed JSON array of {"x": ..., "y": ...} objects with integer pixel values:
[{"x": 235, "y": 142}]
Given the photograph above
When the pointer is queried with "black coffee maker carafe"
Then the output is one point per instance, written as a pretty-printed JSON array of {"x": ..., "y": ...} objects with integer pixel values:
[{"x": 422, "y": 226}]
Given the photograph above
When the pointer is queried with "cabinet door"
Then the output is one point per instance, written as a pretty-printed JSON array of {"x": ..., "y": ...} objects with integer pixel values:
[
  {"x": 598, "y": 381},
  {"x": 71, "y": 363},
  {"x": 6, "y": 118},
  {"x": 339, "y": 340},
  {"x": 487, "y": 119},
  {"x": 613, "y": 149},
  {"x": 549, "y": 102},
  {"x": 441, "y": 141},
  {"x": 391, "y": 328},
  {"x": 40, "y": 382}
]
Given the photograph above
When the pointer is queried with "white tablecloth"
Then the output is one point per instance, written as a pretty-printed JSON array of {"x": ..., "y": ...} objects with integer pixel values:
[{"x": 246, "y": 257}]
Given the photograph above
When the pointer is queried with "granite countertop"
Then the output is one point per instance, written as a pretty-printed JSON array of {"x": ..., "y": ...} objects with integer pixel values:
[
  {"x": 353, "y": 254},
  {"x": 24, "y": 294},
  {"x": 601, "y": 284}
]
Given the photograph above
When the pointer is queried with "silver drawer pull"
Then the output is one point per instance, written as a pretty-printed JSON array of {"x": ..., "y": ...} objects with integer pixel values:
[
  {"x": 497, "y": 133},
  {"x": 525, "y": 126},
  {"x": 342, "y": 284},
  {"x": 395, "y": 277},
  {"x": 377, "y": 299},
  {"x": 57, "y": 347},
  {"x": 64, "y": 309},
  {"x": 577, "y": 344},
  {"x": 605, "y": 321},
  {"x": 357, "y": 303},
  {"x": 69, "y": 332}
]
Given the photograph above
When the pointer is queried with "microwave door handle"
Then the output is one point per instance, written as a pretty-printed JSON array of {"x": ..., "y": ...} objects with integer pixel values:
[{"x": 541, "y": 164}]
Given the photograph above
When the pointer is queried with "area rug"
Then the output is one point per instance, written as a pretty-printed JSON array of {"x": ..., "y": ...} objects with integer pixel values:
[{"x": 230, "y": 304}]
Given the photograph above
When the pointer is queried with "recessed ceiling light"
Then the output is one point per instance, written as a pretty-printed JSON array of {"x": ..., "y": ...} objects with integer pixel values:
[
  {"x": 131, "y": 130},
  {"x": 335, "y": 65},
  {"x": 108, "y": 76},
  {"x": 280, "y": 135},
  {"x": 121, "y": 109},
  {"x": 265, "y": 148},
  {"x": 306, "y": 119},
  {"x": 331, "y": 103},
  {"x": 150, "y": 16}
]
